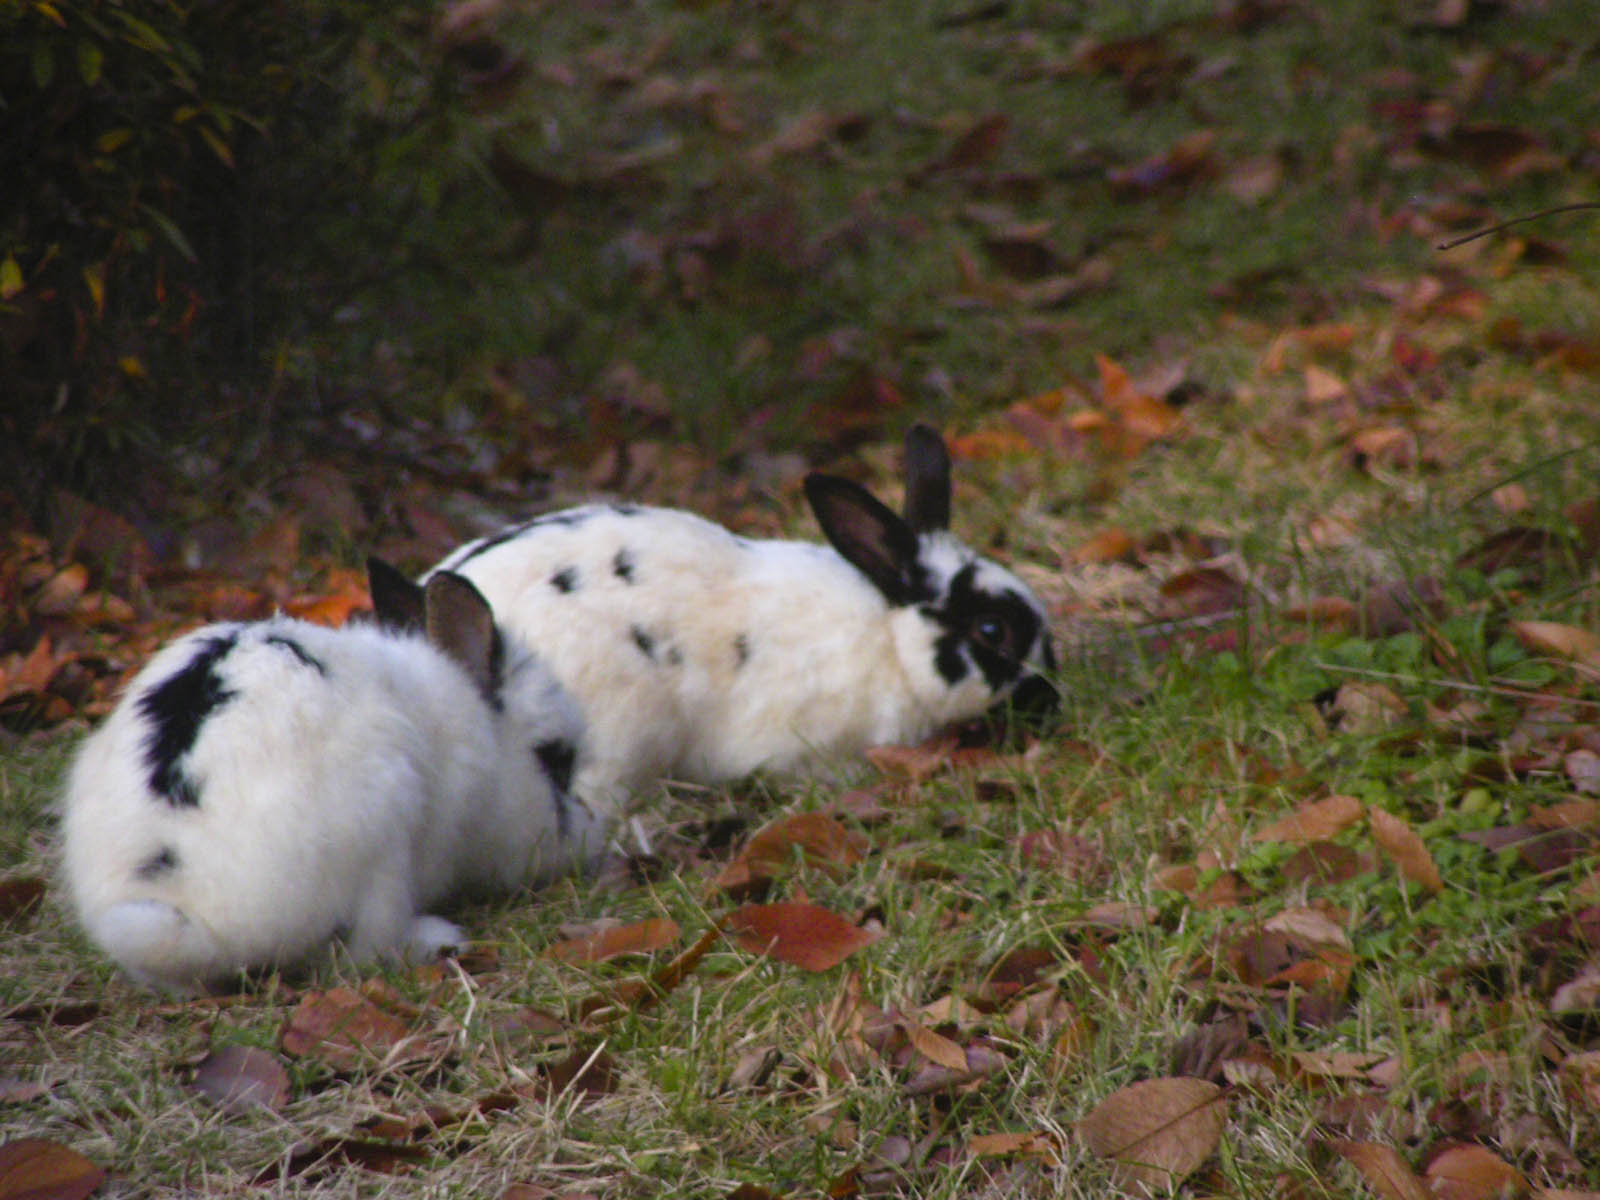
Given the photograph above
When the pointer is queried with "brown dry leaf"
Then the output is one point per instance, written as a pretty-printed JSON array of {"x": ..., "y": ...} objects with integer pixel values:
[
  {"x": 1366, "y": 708},
  {"x": 802, "y": 934},
  {"x": 1473, "y": 1173},
  {"x": 1139, "y": 413},
  {"x": 588, "y": 1073},
  {"x": 1185, "y": 160},
  {"x": 1199, "y": 592},
  {"x": 1386, "y": 1173},
  {"x": 1401, "y": 843},
  {"x": 1109, "y": 545},
  {"x": 18, "y": 897},
  {"x": 1323, "y": 386},
  {"x": 637, "y": 994},
  {"x": 981, "y": 1062},
  {"x": 344, "y": 1028},
  {"x": 1316, "y": 821},
  {"x": 242, "y": 1077},
  {"x": 1158, "y": 1131},
  {"x": 39, "y": 1169},
  {"x": 61, "y": 592},
  {"x": 1568, "y": 814},
  {"x": 1562, "y": 641},
  {"x": 913, "y": 763},
  {"x": 933, "y": 1046},
  {"x": 314, "y": 1160},
  {"x": 1309, "y": 927},
  {"x": 822, "y": 841},
  {"x": 640, "y": 937},
  {"x": 1323, "y": 863}
]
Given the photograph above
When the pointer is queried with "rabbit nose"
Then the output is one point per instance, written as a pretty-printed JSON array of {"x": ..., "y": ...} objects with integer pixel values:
[{"x": 1035, "y": 698}]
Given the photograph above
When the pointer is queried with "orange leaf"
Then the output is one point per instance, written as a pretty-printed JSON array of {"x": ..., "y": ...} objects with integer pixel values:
[
  {"x": 802, "y": 934},
  {"x": 641, "y": 937},
  {"x": 1386, "y": 1173},
  {"x": 1401, "y": 843},
  {"x": 1109, "y": 545},
  {"x": 37, "y": 1169},
  {"x": 934, "y": 1047},
  {"x": 991, "y": 1145},
  {"x": 1563, "y": 641},
  {"x": 1314, "y": 822},
  {"x": 1473, "y": 1173}
]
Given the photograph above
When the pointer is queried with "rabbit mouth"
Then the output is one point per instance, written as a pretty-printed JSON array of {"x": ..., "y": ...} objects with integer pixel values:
[{"x": 1034, "y": 699}]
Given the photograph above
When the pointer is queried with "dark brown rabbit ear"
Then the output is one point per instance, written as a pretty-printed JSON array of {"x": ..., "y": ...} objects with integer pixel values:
[
  {"x": 460, "y": 623},
  {"x": 927, "y": 480},
  {"x": 869, "y": 535},
  {"x": 397, "y": 602}
]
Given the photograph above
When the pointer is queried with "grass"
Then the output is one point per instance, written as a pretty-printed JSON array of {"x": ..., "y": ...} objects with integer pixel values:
[{"x": 1175, "y": 747}]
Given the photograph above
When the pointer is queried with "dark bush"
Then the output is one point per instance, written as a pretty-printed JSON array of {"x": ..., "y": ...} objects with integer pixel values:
[{"x": 187, "y": 188}]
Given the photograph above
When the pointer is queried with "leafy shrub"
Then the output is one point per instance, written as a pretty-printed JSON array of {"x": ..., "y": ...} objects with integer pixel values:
[{"x": 170, "y": 171}]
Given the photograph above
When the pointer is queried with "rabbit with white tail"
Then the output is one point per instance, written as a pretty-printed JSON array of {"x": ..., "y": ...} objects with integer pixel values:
[
  {"x": 263, "y": 790},
  {"x": 698, "y": 654}
]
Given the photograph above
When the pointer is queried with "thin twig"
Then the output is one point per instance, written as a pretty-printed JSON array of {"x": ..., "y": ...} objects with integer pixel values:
[
  {"x": 1457, "y": 684},
  {"x": 1548, "y": 212}
]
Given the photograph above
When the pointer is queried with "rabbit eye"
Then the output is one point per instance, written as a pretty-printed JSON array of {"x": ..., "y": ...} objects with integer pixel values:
[{"x": 991, "y": 630}]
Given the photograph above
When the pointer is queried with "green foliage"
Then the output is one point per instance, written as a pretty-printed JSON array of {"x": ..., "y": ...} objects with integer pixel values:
[{"x": 169, "y": 173}]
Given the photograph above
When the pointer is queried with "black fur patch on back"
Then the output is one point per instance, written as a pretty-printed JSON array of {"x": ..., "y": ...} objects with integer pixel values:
[
  {"x": 644, "y": 641},
  {"x": 299, "y": 651},
  {"x": 741, "y": 649},
  {"x": 565, "y": 580},
  {"x": 159, "y": 863},
  {"x": 176, "y": 708},
  {"x": 565, "y": 518},
  {"x": 967, "y": 610},
  {"x": 626, "y": 510},
  {"x": 622, "y": 566}
]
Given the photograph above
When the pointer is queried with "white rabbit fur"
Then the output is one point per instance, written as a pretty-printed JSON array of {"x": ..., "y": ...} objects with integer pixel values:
[
  {"x": 263, "y": 789},
  {"x": 698, "y": 654}
]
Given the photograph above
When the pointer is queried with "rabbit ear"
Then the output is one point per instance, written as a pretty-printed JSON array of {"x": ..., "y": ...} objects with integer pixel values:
[
  {"x": 460, "y": 623},
  {"x": 396, "y": 601},
  {"x": 927, "y": 480},
  {"x": 868, "y": 535}
]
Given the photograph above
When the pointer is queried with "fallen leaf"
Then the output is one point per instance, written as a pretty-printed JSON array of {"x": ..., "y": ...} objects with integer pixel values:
[
  {"x": 1562, "y": 641},
  {"x": 1404, "y": 848},
  {"x": 1389, "y": 1175},
  {"x": 640, "y": 937},
  {"x": 802, "y": 934},
  {"x": 587, "y": 1073},
  {"x": 1472, "y": 1173},
  {"x": 21, "y": 896},
  {"x": 39, "y": 1169},
  {"x": 913, "y": 763},
  {"x": 932, "y": 1046},
  {"x": 344, "y": 1029},
  {"x": 1158, "y": 1131},
  {"x": 981, "y": 1062},
  {"x": 1109, "y": 545},
  {"x": 242, "y": 1077},
  {"x": 821, "y": 841},
  {"x": 1316, "y": 821},
  {"x": 1367, "y": 708}
]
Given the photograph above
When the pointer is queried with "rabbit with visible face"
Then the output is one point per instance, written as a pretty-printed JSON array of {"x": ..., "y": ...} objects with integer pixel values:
[
  {"x": 264, "y": 789},
  {"x": 701, "y": 655}
]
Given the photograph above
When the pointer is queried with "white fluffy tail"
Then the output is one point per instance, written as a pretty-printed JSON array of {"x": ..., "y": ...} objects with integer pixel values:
[{"x": 155, "y": 943}]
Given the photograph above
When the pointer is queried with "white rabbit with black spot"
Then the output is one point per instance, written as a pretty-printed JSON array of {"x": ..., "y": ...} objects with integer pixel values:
[
  {"x": 263, "y": 790},
  {"x": 701, "y": 655}
]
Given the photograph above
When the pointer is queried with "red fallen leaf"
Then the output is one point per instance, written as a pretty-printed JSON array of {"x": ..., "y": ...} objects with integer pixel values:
[
  {"x": 240, "y": 1077},
  {"x": 641, "y": 993},
  {"x": 641, "y": 937},
  {"x": 802, "y": 934},
  {"x": 752, "y": 1191},
  {"x": 20, "y": 896},
  {"x": 1054, "y": 849},
  {"x": 39, "y": 1169},
  {"x": 822, "y": 842},
  {"x": 60, "y": 593},
  {"x": 344, "y": 1028},
  {"x": 1322, "y": 863},
  {"x": 1407, "y": 851},
  {"x": 1158, "y": 1131},
  {"x": 1386, "y": 1173}
]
